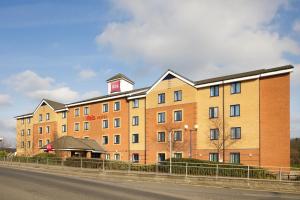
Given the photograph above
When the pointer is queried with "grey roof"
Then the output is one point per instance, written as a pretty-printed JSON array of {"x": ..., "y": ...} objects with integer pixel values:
[
  {"x": 69, "y": 143},
  {"x": 24, "y": 115},
  {"x": 112, "y": 95},
  {"x": 120, "y": 76},
  {"x": 240, "y": 75},
  {"x": 55, "y": 105}
]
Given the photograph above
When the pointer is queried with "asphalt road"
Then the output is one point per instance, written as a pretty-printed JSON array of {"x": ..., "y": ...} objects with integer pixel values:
[{"x": 16, "y": 184}]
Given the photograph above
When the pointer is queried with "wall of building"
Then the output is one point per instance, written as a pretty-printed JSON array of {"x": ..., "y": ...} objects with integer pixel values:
[
  {"x": 275, "y": 121},
  {"x": 187, "y": 105},
  {"x": 96, "y": 131},
  {"x": 52, "y": 123},
  {"x": 24, "y": 150},
  {"x": 139, "y": 147}
]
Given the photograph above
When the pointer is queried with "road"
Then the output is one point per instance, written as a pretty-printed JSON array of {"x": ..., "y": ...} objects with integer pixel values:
[{"x": 16, "y": 184}]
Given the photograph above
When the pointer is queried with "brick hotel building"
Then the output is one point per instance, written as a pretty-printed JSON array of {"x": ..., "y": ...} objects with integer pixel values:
[{"x": 247, "y": 113}]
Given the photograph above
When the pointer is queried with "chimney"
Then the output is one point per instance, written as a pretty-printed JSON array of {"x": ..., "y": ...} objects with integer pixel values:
[{"x": 119, "y": 83}]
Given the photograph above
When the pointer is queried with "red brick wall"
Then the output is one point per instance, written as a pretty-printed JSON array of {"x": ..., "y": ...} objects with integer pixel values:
[
  {"x": 275, "y": 121},
  {"x": 96, "y": 131},
  {"x": 152, "y": 127}
]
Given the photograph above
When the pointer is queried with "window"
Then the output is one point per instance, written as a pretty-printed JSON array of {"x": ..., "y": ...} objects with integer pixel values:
[
  {"x": 107, "y": 156},
  {"x": 47, "y": 141},
  {"x": 235, "y": 110},
  {"x": 177, "y": 135},
  {"x": 22, "y": 144},
  {"x": 117, "y": 106},
  {"x": 105, "y": 123},
  {"x": 47, "y": 129},
  {"x": 47, "y": 116},
  {"x": 40, "y": 117},
  {"x": 86, "y": 111},
  {"x": 40, "y": 130},
  {"x": 28, "y": 131},
  {"x": 22, "y": 132},
  {"x": 105, "y": 107},
  {"x": 135, "y": 103},
  {"x": 236, "y": 133},
  {"x": 214, "y": 134},
  {"x": 135, "y": 120},
  {"x": 214, "y": 157},
  {"x": 178, "y": 116},
  {"x": 214, "y": 91},
  {"x": 64, "y": 114},
  {"x": 135, "y": 138},
  {"x": 178, "y": 95},
  {"x": 161, "y": 98},
  {"x": 178, "y": 155},
  {"x": 117, "y": 122},
  {"x": 161, "y": 117},
  {"x": 235, "y": 158},
  {"x": 105, "y": 139},
  {"x": 22, "y": 121},
  {"x": 161, "y": 157},
  {"x": 64, "y": 128},
  {"x": 77, "y": 127},
  {"x": 135, "y": 157},
  {"x": 213, "y": 112},
  {"x": 28, "y": 144},
  {"x": 28, "y": 120},
  {"x": 117, "y": 156},
  {"x": 235, "y": 88},
  {"x": 76, "y": 112},
  {"x": 40, "y": 143},
  {"x": 161, "y": 137},
  {"x": 86, "y": 126},
  {"x": 117, "y": 139}
]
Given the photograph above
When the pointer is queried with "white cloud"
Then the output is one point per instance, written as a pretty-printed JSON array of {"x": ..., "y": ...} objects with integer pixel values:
[
  {"x": 87, "y": 73},
  {"x": 5, "y": 100},
  {"x": 198, "y": 38},
  {"x": 59, "y": 94},
  {"x": 295, "y": 75},
  {"x": 37, "y": 87},
  {"x": 29, "y": 80},
  {"x": 296, "y": 26}
]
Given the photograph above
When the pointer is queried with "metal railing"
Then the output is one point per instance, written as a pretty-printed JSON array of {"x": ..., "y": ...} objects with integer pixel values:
[{"x": 287, "y": 174}]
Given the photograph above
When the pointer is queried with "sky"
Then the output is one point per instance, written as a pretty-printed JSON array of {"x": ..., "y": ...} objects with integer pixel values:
[{"x": 65, "y": 50}]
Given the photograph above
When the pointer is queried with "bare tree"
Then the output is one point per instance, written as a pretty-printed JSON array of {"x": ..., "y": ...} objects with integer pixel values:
[{"x": 223, "y": 139}]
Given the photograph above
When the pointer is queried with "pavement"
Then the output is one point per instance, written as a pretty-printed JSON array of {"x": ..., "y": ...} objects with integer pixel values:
[{"x": 20, "y": 184}]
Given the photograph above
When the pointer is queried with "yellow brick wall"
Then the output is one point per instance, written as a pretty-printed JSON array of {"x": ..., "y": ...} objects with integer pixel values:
[
  {"x": 248, "y": 120},
  {"x": 140, "y": 129}
]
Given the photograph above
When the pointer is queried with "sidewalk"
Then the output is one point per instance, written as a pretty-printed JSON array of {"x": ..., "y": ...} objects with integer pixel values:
[{"x": 266, "y": 185}]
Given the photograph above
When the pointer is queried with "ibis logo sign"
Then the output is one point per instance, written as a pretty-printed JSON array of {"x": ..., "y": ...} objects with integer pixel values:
[{"x": 115, "y": 86}]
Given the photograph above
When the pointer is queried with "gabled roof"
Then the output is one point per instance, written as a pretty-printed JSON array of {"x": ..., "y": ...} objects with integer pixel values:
[
  {"x": 172, "y": 73},
  {"x": 53, "y": 104},
  {"x": 24, "y": 115},
  {"x": 71, "y": 143},
  {"x": 118, "y": 77}
]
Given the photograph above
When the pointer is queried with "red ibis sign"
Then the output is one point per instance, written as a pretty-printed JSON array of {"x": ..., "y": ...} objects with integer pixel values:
[
  {"x": 93, "y": 117},
  {"x": 115, "y": 86},
  {"x": 49, "y": 147}
]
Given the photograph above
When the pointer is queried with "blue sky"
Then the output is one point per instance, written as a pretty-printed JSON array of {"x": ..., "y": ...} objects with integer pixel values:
[{"x": 65, "y": 50}]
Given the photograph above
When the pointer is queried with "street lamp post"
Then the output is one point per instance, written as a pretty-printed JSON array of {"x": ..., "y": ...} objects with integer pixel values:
[
  {"x": 191, "y": 130},
  {"x": 170, "y": 143}
]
